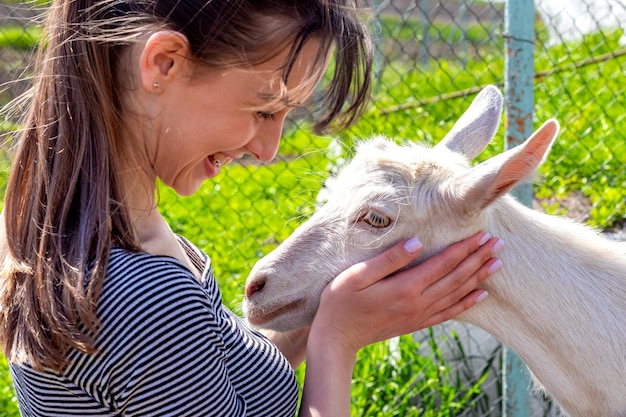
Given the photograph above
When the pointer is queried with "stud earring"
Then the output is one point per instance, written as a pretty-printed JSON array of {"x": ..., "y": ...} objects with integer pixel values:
[{"x": 155, "y": 85}]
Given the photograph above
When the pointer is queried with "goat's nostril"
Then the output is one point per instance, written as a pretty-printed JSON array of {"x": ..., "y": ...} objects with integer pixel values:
[{"x": 255, "y": 287}]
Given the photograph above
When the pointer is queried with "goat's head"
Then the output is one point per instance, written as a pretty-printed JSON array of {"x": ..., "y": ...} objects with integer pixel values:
[{"x": 385, "y": 194}]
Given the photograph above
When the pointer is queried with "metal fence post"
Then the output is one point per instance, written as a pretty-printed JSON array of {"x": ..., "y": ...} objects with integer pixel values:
[
  {"x": 425, "y": 8},
  {"x": 378, "y": 55},
  {"x": 519, "y": 98}
]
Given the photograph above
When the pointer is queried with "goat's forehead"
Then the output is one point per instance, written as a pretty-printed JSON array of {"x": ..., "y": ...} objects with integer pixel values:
[
  {"x": 384, "y": 159},
  {"x": 387, "y": 173},
  {"x": 382, "y": 146}
]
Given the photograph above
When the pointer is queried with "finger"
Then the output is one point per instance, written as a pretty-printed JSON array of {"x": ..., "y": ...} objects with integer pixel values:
[
  {"x": 386, "y": 263},
  {"x": 471, "y": 284},
  {"x": 441, "y": 264},
  {"x": 464, "y": 274},
  {"x": 470, "y": 300}
]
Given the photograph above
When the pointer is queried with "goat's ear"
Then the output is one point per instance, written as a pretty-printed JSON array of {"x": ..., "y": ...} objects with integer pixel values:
[
  {"x": 491, "y": 179},
  {"x": 477, "y": 126}
]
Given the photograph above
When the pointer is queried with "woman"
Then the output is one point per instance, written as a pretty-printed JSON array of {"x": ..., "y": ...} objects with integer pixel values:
[{"x": 104, "y": 310}]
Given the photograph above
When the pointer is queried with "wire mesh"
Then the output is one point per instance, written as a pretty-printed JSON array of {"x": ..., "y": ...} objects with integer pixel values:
[{"x": 431, "y": 57}]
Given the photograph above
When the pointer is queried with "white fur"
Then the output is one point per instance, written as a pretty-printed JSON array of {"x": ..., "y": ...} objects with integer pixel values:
[{"x": 560, "y": 299}]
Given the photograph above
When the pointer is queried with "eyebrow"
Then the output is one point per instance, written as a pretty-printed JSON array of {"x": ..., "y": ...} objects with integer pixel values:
[{"x": 282, "y": 99}]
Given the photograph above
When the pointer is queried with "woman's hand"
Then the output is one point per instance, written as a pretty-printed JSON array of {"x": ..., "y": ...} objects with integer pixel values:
[{"x": 372, "y": 301}]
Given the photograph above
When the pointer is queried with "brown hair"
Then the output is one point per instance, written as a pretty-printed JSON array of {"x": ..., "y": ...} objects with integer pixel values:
[{"x": 62, "y": 206}]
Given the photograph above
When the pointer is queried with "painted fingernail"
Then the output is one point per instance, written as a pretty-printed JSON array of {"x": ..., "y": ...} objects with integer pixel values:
[
  {"x": 495, "y": 265},
  {"x": 482, "y": 296},
  {"x": 484, "y": 239},
  {"x": 498, "y": 245},
  {"x": 412, "y": 245}
]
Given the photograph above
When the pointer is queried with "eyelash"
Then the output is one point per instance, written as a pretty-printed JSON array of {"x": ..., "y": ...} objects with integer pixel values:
[
  {"x": 261, "y": 115},
  {"x": 375, "y": 219}
]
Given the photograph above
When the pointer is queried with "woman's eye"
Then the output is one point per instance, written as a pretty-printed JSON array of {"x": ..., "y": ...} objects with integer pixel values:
[
  {"x": 377, "y": 220},
  {"x": 265, "y": 116}
]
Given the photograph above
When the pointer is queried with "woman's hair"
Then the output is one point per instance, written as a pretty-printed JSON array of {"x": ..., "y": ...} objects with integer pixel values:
[{"x": 63, "y": 210}]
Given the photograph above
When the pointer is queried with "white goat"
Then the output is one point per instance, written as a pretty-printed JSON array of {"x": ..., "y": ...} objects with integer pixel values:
[{"x": 560, "y": 299}]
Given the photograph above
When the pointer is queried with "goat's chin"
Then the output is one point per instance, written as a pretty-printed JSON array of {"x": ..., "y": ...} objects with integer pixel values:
[{"x": 291, "y": 316}]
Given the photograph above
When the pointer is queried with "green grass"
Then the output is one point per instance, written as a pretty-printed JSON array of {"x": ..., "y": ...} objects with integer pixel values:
[
  {"x": 390, "y": 383},
  {"x": 8, "y": 402},
  {"x": 589, "y": 156},
  {"x": 19, "y": 37},
  {"x": 246, "y": 211},
  {"x": 395, "y": 29}
]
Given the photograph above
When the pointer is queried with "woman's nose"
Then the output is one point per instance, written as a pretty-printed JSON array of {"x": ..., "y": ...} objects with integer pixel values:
[{"x": 264, "y": 146}]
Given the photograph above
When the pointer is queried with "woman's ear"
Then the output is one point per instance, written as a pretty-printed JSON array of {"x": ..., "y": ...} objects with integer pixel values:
[{"x": 164, "y": 57}]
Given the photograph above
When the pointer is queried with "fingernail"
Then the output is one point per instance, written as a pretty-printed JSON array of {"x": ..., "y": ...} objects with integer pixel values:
[
  {"x": 495, "y": 265},
  {"x": 498, "y": 245},
  {"x": 412, "y": 245},
  {"x": 484, "y": 239},
  {"x": 482, "y": 296}
]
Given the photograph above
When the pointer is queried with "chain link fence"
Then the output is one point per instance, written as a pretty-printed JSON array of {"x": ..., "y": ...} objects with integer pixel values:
[{"x": 432, "y": 56}]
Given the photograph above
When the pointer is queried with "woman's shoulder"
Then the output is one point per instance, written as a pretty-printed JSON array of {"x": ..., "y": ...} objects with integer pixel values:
[
  {"x": 151, "y": 302},
  {"x": 124, "y": 263},
  {"x": 131, "y": 271},
  {"x": 140, "y": 286}
]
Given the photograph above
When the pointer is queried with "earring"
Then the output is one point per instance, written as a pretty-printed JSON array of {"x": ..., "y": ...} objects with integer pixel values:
[{"x": 155, "y": 85}]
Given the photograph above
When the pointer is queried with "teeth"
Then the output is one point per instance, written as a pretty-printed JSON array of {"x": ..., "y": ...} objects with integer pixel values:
[{"x": 220, "y": 159}]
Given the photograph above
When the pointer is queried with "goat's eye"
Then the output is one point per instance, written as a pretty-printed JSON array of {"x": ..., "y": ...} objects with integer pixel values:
[{"x": 375, "y": 219}]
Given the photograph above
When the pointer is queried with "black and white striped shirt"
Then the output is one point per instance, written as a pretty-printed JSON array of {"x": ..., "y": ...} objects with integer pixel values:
[{"x": 167, "y": 347}]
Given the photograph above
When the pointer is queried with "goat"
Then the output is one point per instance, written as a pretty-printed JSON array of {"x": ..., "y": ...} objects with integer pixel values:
[{"x": 560, "y": 299}]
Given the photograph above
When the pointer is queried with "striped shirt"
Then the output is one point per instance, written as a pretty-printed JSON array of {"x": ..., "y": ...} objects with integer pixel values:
[{"x": 167, "y": 347}]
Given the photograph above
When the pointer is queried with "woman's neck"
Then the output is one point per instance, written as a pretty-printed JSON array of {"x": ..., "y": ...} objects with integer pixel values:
[
  {"x": 154, "y": 234},
  {"x": 157, "y": 238}
]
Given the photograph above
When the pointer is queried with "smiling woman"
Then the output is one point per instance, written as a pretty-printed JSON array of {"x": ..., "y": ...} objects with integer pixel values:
[
  {"x": 247, "y": 108},
  {"x": 100, "y": 299}
]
